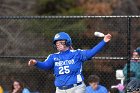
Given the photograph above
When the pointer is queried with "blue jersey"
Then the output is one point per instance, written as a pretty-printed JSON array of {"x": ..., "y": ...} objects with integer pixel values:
[
  {"x": 25, "y": 90},
  {"x": 100, "y": 89},
  {"x": 67, "y": 65}
]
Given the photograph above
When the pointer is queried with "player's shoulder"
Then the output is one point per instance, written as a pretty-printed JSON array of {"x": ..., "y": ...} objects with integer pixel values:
[
  {"x": 26, "y": 90},
  {"x": 89, "y": 88},
  {"x": 77, "y": 50},
  {"x": 73, "y": 50},
  {"x": 55, "y": 53},
  {"x": 103, "y": 87}
]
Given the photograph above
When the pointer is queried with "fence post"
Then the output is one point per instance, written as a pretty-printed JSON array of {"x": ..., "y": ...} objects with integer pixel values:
[{"x": 128, "y": 46}]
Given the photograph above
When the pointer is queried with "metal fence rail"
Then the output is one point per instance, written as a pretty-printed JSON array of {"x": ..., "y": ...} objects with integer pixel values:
[{"x": 44, "y": 17}]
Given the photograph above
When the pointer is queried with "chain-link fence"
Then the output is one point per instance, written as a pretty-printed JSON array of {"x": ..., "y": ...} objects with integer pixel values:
[{"x": 26, "y": 37}]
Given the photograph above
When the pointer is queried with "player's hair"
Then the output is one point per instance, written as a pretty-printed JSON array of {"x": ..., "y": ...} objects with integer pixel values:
[
  {"x": 21, "y": 84},
  {"x": 93, "y": 79},
  {"x": 63, "y": 36},
  {"x": 71, "y": 48}
]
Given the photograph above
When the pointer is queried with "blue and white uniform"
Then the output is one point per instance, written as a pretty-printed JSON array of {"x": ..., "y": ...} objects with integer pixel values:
[
  {"x": 67, "y": 65},
  {"x": 100, "y": 89}
]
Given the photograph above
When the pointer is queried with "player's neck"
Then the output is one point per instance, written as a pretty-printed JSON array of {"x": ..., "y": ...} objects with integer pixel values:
[{"x": 65, "y": 49}]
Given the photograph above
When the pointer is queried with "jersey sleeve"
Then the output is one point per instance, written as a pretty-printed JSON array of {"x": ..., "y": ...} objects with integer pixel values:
[
  {"x": 138, "y": 70},
  {"x": 88, "y": 90},
  {"x": 25, "y": 90},
  {"x": 133, "y": 68},
  {"x": 88, "y": 54},
  {"x": 125, "y": 70},
  {"x": 47, "y": 64},
  {"x": 105, "y": 90}
]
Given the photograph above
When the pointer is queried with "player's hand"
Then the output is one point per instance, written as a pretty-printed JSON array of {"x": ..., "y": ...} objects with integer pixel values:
[
  {"x": 32, "y": 62},
  {"x": 107, "y": 38},
  {"x": 15, "y": 90}
]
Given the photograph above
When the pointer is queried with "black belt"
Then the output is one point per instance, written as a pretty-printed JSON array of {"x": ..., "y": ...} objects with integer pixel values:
[{"x": 69, "y": 86}]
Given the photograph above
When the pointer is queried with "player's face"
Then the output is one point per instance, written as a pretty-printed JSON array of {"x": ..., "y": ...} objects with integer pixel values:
[
  {"x": 135, "y": 55},
  {"x": 61, "y": 45},
  {"x": 16, "y": 85},
  {"x": 94, "y": 85}
]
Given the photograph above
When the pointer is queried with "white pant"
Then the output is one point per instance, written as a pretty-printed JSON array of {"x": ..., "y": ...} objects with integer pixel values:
[{"x": 78, "y": 89}]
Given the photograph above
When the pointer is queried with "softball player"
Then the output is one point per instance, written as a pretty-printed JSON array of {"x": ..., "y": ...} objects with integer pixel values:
[{"x": 67, "y": 63}]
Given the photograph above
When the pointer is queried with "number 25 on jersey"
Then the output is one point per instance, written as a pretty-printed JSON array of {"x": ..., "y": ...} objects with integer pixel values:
[{"x": 64, "y": 70}]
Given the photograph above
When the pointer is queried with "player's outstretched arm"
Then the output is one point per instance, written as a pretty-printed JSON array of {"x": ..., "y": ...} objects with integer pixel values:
[
  {"x": 92, "y": 52},
  {"x": 45, "y": 65}
]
